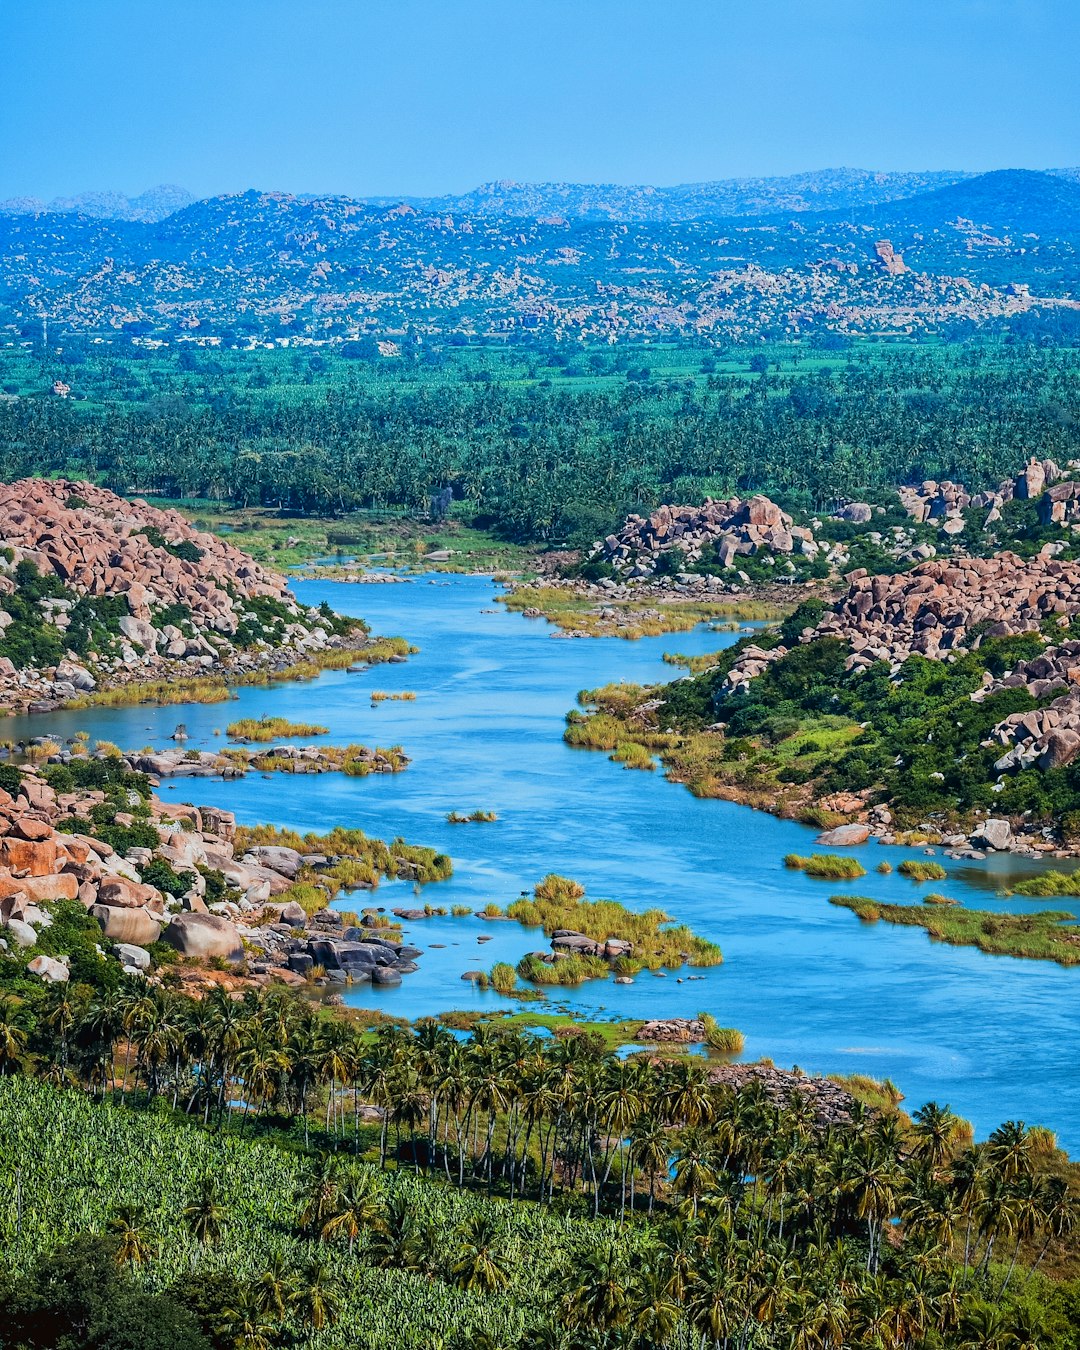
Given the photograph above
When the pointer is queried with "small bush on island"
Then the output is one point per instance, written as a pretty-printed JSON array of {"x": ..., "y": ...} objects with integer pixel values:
[
  {"x": 1050, "y": 883},
  {"x": 725, "y": 1040},
  {"x": 829, "y": 865},
  {"x": 271, "y": 729},
  {"x": 502, "y": 977},
  {"x": 565, "y": 970},
  {"x": 559, "y": 902},
  {"x": 916, "y": 870},
  {"x": 477, "y": 817},
  {"x": 632, "y": 756}
]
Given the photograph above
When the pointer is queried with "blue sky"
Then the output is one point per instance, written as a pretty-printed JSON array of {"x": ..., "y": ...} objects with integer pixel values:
[{"x": 426, "y": 96}]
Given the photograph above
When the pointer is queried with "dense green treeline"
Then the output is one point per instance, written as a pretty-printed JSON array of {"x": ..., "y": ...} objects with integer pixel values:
[
  {"x": 531, "y": 449},
  {"x": 230, "y": 1172}
]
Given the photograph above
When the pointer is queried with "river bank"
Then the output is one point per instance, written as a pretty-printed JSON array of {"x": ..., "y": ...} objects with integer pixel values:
[{"x": 804, "y": 981}]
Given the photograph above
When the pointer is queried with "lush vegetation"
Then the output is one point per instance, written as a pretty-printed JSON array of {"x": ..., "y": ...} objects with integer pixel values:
[
  {"x": 560, "y": 903},
  {"x": 1049, "y": 935},
  {"x": 806, "y": 728},
  {"x": 226, "y": 1173},
  {"x": 829, "y": 865},
  {"x": 545, "y": 441}
]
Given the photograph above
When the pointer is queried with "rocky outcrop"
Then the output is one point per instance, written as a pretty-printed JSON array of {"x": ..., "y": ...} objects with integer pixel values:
[
  {"x": 203, "y": 936},
  {"x": 830, "y": 1103},
  {"x": 944, "y": 503},
  {"x": 933, "y": 608},
  {"x": 189, "y": 596},
  {"x": 673, "y": 1031},
  {"x": 265, "y": 939},
  {"x": 737, "y": 528}
]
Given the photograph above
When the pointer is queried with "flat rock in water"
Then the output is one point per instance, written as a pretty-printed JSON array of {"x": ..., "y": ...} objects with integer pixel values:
[{"x": 844, "y": 835}]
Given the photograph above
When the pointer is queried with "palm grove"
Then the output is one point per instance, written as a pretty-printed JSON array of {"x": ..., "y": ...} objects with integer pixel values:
[
  {"x": 542, "y": 445},
  {"x": 259, "y": 1173}
]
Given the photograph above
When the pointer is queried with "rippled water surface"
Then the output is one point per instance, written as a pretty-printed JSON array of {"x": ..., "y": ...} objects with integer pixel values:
[{"x": 807, "y": 982}]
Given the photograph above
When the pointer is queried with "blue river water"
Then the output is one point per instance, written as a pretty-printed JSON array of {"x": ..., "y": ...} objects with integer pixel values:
[{"x": 805, "y": 981}]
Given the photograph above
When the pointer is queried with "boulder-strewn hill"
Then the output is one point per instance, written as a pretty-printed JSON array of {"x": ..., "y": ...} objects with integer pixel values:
[
  {"x": 336, "y": 268},
  {"x": 97, "y": 589}
]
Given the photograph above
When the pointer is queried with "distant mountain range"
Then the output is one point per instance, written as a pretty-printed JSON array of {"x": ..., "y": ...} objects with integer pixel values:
[
  {"x": 816, "y": 191},
  {"x": 272, "y": 265},
  {"x": 152, "y": 205}
]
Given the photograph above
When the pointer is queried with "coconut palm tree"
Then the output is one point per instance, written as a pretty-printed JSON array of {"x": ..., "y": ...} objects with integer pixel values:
[
  {"x": 598, "y": 1298},
  {"x": 316, "y": 1296},
  {"x": 205, "y": 1216},
  {"x": 133, "y": 1242},
  {"x": 273, "y": 1289},
  {"x": 933, "y": 1132},
  {"x": 354, "y": 1208},
  {"x": 481, "y": 1262},
  {"x": 14, "y": 1035}
]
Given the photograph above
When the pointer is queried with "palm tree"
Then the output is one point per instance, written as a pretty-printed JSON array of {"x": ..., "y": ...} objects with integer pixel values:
[
  {"x": 14, "y": 1035},
  {"x": 205, "y": 1217},
  {"x": 354, "y": 1207},
  {"x": 316, "y": 1297},
  {"x": 273, "y": 1289},
  {"x": 133, "y": 1243},
  {"x": 317, "y": 1196},
  {"x": 695, "y": 1166},
  {"x": 934, "y": 1130},
  {"x": 481, "y": 1262},
  {"x": 251, "y": 1327},
  {"x": 598, "y": 1299},
  {"x": 650, "y": 1150}
]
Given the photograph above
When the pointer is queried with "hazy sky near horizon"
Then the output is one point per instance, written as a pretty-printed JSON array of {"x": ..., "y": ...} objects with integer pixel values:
[{"x": 418, "y": 97}]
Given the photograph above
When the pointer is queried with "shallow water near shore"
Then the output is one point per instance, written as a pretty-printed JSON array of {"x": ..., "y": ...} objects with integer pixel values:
[{"x": 804, "y": 980}]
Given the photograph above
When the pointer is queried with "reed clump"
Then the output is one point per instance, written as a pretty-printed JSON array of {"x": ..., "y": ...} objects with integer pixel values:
[
  {"x": 828, "y": 865},
  {"x": 564, "y": 970},
  {"x": 382, "y": 696},
  {"x": 917, "y": 870},
  {"x": 725, "y": 1040},
  {"x": 271, "y": 729},
  {"x": 502, "y": 977},
  {"x": 472, "y": 818},
  {"x": 1050, "y": 883},
  {"x": 631, "y": 755}
]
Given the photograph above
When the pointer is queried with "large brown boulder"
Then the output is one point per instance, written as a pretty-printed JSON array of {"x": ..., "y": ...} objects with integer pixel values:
[
  {"x": 204, "y": 935},
  {"x": 61, "y": 886},
  {"x": 35, "y": 857},
  {"x": 124, "y": 894},
  {"x": 127, "y": 925}
]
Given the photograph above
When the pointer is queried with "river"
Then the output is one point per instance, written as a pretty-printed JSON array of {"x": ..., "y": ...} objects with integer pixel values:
[{"x": 805, "y": 981}]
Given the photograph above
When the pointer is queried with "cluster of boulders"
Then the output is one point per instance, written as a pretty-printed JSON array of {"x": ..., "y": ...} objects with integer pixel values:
[
  {"x": 737, "y": 528},
  {"x": 187, "y": 593},
  {"x": 944, "y": 503},
  {"x": 40, "y": 863},
  {"x": 673, "y": 1031},
  {"x": 237, "y": 762},
  {"x": 830, "y": 1103},
  {"x": 933, "y": 608}
]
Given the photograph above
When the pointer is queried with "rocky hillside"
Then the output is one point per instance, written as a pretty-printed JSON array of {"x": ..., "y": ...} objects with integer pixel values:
[
  {"x": 75, "y": 890},
  {"x": 336, "y": 268},
  {"x": 96, "y": 589}
]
